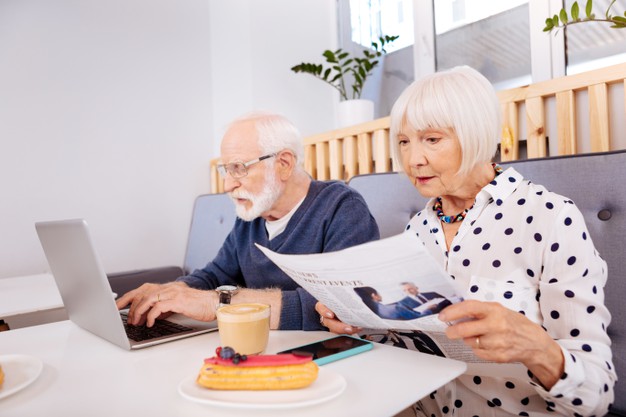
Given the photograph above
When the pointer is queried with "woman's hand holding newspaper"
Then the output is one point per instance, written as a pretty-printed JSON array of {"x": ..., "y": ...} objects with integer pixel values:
[{"x": 329, "y": 320}]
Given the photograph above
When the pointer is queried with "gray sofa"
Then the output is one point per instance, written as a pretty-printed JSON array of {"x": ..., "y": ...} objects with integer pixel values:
[{"x": 595, "y": 182}]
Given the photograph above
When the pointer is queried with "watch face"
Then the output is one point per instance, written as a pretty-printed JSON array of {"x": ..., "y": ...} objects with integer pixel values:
[{"x": 226, "y": 288}]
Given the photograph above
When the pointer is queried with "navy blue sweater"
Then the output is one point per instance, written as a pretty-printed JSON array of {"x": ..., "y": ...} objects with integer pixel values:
[{"x": 332, "y": 217}]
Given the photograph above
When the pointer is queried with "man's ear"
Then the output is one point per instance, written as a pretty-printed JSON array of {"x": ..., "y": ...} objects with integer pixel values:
[{"x": 286, "y": 162}]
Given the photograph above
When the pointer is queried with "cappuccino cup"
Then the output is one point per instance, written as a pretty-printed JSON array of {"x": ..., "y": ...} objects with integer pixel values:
[{"x": 245, "y": 327}]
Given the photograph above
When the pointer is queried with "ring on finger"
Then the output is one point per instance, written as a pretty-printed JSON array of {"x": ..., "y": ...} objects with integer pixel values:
[
  {"x": 158, "y": 298},
  {"x": 322, "y": 321},
  {"x": 477, "y": 342}
]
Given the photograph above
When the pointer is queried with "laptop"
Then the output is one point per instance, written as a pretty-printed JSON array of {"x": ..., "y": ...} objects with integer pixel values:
[{"x": 87, "y": 295}]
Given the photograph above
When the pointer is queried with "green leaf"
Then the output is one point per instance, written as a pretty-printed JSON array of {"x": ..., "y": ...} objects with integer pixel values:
[
  {"x": 549, "y": 25},
  {"x": 588, "y": 8},
  {"x": 608, "y": 10},
  {"x": 330, "y": 56},
  {"x": 563, "y": 16},
  {"x": 392, "y": 38},
  {"x": 618, "y": 22},
  {"x": 575, "y": 11},
  {"x": 342, "y": 55},
  {"x": 327, "y": 73},
  {"x": 347, "y": 62}
]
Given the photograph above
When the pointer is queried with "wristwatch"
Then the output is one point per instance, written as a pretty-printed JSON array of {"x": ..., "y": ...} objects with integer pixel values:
[{"x": 225, "y": 294}]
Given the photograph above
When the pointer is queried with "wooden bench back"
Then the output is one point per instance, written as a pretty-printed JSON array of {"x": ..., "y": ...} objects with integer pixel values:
[{"x": 527, "y": 114}]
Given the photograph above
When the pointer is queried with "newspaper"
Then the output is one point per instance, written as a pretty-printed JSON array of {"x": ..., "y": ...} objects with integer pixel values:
[{"x": 390, "y": 284}]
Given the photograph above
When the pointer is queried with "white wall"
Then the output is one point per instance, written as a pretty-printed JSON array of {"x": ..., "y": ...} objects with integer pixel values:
[
  {"x": 254, "y": 45},
  {"x": 109, "y": 111}
]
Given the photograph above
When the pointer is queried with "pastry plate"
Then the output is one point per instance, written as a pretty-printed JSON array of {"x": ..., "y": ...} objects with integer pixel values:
[
  {"x": 19, "y": 372},
  {"x": 327, "y": 386}
]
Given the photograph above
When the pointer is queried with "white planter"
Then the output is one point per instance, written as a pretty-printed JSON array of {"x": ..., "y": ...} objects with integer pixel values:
[{"x": 352, "y": 112}]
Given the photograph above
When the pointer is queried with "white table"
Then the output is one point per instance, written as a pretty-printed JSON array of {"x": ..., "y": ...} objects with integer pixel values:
[
  {"x": 30, "y": 300},
  {"x": 85, "y": 375}
]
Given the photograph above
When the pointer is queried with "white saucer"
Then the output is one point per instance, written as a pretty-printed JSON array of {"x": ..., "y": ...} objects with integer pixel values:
[
  {"x": 327, "y": 386},
  {"x": 19, "y": 372}
]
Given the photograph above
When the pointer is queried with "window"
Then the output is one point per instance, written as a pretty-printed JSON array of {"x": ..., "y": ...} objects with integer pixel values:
[
  {"x": 370, "y": 19},
  {"x": 492, "y": 37}
]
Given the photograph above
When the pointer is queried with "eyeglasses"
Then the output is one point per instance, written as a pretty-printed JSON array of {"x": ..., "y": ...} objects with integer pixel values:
[{"x": 239, "y": 169}]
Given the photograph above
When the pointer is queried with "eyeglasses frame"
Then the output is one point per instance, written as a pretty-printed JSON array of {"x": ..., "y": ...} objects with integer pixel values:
[{"x": 223, "y": 170}]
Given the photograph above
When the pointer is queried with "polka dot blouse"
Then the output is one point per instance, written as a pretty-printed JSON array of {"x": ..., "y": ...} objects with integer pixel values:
[{"x": 528, "y": 249}]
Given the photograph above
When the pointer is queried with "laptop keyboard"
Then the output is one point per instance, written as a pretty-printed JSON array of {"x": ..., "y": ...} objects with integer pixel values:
[{"x": 160, "y": 328}]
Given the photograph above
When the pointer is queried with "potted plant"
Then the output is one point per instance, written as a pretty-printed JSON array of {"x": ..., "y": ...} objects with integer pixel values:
[
  {"x": 564, "y": 19},
  {"x": 347, "y": 74}
]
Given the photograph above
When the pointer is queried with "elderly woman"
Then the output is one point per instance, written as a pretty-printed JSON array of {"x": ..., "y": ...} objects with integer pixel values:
[{"x": 533, "y": 279}]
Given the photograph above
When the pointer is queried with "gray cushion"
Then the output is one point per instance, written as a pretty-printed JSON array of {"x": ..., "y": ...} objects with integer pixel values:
[
  {"x": 391, "y": 198},
  {"x": 595, "y": 182}
]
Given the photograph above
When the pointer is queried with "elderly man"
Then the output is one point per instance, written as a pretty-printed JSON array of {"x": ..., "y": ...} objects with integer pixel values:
[{"x": 278, "y": 206}]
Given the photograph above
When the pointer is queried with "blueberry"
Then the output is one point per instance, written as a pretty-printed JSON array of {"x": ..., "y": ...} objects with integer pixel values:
[{"x": 227, "y": 352}]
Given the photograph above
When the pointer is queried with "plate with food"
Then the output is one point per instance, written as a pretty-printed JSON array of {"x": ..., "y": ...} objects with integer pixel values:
[
  {"x": 17, "y": 372},
  {"x": 264, "y": 381}
]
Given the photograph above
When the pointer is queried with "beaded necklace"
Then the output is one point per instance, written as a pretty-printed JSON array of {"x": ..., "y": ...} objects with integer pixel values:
[{"x": 437, "y": 207}]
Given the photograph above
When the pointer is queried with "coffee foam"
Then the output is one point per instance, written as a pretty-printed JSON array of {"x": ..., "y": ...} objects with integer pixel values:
[{"x": 235, "y": 313}]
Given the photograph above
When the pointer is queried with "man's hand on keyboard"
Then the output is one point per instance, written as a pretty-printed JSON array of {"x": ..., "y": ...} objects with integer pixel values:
[{"x": 153, "y": 301}]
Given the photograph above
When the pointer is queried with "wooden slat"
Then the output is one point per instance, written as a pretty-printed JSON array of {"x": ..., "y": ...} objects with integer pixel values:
[
  {"x": 382, "y": 161},
  {"x": 351, "y": 157},
  {"x": 566, "y": 122},
  {"x": 509, "y": 145},
  {"x": 336, "y": 159},
  {"x": 536, "y": 128},
  {"x": 217, "y": 182},
  {"x": 322, "y": 161},
  {"x": 364, "y": 141},
  {"x": 599, "y": 118},
  {"x": 309, "y": 160}
]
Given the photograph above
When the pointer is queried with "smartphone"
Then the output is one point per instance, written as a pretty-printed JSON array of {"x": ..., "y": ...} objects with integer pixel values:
[{"x": 333, "y": 349}]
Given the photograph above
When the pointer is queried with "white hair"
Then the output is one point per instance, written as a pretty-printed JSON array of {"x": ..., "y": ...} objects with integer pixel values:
[
  {"x": 275, "y": 133},
  {"x": 460, "y": 99}
]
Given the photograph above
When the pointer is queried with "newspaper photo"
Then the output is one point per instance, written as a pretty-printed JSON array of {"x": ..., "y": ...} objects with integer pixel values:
[{"x": 392, "y": 284}]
